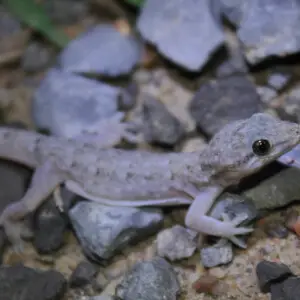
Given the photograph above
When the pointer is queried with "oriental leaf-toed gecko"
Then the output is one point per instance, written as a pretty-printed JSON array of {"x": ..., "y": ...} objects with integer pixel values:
[{"x": 139, "y": 178}]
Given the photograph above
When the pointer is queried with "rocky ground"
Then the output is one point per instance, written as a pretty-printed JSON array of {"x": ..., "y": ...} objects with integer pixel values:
[{"x": 181, "y": 71}]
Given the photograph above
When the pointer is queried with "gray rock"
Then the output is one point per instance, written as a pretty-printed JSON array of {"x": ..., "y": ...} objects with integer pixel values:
[
  {"x": 219, "y": 254},
  {"x": 66, "y": 104},
  {"x": 290, "y": 107},
  {"x": 20, "y": 282},
  {"x": 176, "y": 243},
  {"x": 219, "y": 102},
  {"x": 230, "y": 67},
  {"x": 221, "y": 204},
  {"x": 235, "y": 62},
  {"x": 49, "y": 228},
  {"x": 36, "y": 57},
  {"x": 128, "y": 97},
  {"x": 240, "y": 207},
  {"x": 277, "y": 292},
  {"x": 149, "y": 280},
  {"x": 105, "y": 230},
  {"x": 160, "y": 126},
  {"x": 265, "y": 196},
  {"x": 97, "y": 51},
  {"x": 270, "y": 272},
  {"x": 266, "y": 28},
  {"x": 233, "y": 206},
  {"x": 278, "y": 80},
  {"x": 83, "y": 274},
  {"x": 179, "y": 28},
  {"x": 291, "y": 288},
  {"x": 266, "y": 94},
  {"x": 232, "y": 9},
  {"x": 66, "y": 11}
]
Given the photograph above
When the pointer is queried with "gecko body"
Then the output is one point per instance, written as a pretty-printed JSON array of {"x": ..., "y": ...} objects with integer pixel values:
[{"x": 139, "y": 178}]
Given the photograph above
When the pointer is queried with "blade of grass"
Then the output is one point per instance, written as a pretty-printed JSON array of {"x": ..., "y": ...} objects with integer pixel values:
[
  {"x": 34, "y": 15},
  {"x": 137, "y": 3}
]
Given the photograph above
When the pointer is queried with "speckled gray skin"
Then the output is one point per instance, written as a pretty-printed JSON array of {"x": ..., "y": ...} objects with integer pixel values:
[{"x": 138, "y": 178}]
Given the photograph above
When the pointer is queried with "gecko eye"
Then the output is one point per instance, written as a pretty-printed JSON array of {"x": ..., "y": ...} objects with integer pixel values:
[{"x": 261, "y": 147}]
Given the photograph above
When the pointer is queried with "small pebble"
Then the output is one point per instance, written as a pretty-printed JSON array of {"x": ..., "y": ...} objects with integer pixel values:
[
  {"x": 292, "y": 218},
  {"x": 297, "y": 226},
  {"x": 36, "y": 57},
  {"x": 205, "y": 284},
  {"x": 83, "y": 274},
  {"x": 276, "y": 230},
  {"x": 266, "y": 93},
  {"x": 50, "y": 227},
  {"x": 269, "y": 272},
  {"x": 160, "y": 126},
  {"x": 177, "y": 242},
  {"x": 128, "y": 97},
  {"x": 278, "y": 80},
  {"x": 219, "y": 254}
]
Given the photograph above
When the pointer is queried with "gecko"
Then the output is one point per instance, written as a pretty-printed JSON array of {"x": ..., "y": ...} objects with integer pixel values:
[{"x": 89, "y": 167}]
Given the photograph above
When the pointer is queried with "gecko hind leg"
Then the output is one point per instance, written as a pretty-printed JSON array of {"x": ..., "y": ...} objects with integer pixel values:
[{"x": 45, "y": 179}]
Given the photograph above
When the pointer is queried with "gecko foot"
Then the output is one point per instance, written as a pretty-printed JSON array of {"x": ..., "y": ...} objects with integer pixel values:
[{"x": 236, "y": 221}]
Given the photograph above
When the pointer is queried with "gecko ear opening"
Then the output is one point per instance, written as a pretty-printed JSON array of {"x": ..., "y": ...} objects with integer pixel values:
[
  {"x": 214, "y": 162},
  {"x": 211, "y": 161}
]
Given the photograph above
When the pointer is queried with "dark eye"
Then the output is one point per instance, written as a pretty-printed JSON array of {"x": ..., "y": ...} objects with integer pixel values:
[{"x": 261, "y": 147}]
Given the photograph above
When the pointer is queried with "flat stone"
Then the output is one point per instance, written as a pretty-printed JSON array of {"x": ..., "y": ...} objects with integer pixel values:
[
  {"x": 178, "y": 28},
  {"x": 219, "y": 102},
  {"x": 66, "y": 104},
  {"x": 265, "y": 28},
  {"x": 105, "y": 230},
  {"x": 97, "y": 51}
]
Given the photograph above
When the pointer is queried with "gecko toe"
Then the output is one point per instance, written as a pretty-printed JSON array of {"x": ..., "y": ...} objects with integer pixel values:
[{"x": 238, "y": 242}]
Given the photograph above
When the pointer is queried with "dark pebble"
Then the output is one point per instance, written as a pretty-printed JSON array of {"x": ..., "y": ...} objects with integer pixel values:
[
  {"x": 83, "y": 274},
  {"x": 270, "y": 272}
]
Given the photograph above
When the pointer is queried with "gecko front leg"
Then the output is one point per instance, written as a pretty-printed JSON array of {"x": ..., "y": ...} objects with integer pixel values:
[
  {"x": 197, "y": 219},
  {"x": 44, "y": 181}
]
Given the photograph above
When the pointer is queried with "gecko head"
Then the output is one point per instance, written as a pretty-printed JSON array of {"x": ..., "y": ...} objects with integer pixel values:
[{"x": 243, "y": 147}]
